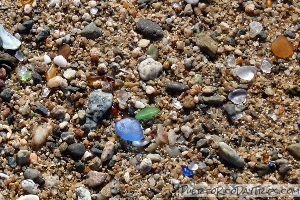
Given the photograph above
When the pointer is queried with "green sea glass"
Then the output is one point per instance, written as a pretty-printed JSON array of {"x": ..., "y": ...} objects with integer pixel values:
[
  {"x": 26, "y": 76},
  {"x": 147, "y": 113}
]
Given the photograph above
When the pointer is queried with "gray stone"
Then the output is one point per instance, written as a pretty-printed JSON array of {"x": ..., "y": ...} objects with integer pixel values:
[
  {"x": 176, "y": 87},
  {"x": 207, "y": 44},
  {"x": 5, "y": 95},
  {"x": 153, "y": 51},
  {"x": 146, "y": 165},
  {"x": 262, "y": 169},
  {"x": 42, "y": 110},
  {"x": 25, "y": 27},
  {"x": 95, "y": 164},
  {"x": 230, "y": 155},
  {"x": 83, "y": 194},
  {"x": 149, "y": 69},
  {"x": 108, "y": 151},
  {"x": 76, "y": 151},
  {"x": 95, "y": 179},
  {"x": 68, "y": 137},
  {"x": 22, "y": 157},
  {"x": 9, "y": 60},
  {"x": 149, "y": 29},
  {"x": 216, "y": 100},
  {"x": 91, "y": 31},
  {"x": 294, "y": 150},
  {"x": 42, "y": 35},
  {"x": 99, "y": 102},
  {"x": 284, "y": 169},
  {"x": 32, "y": 174}
]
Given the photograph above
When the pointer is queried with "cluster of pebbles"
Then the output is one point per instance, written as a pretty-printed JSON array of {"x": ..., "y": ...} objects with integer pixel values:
[{"x": 224, "y": 75}]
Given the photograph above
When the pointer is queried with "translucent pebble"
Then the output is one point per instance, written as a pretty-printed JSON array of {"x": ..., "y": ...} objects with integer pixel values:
[
  {"x": 255, "y": 29},
  {"x": 140, "y": 143},
  {"x": 93, "y": 11},
  {"x": 60, "y": 61},
  {"x": 281, "y": 47},
  {"x": 187, "y": 172},
  {"x": 8, "y": 40},
  {"x": 176, "y": 104},
  {"x": 52, "y": 71},
  {"x": 238, "y": 96},
  {"x": 231, "y": 60},
  {"x": 21, "y": 70},
  {"x": 29, "y": 197},
  {"x": 19, "y": 56},
  {"x": 147, "y": 113},
  {"x": 45, "y": 92},
  {"x": 266, "y": 66},
  {"x": 129, "y": 129},
  {"x": 47, "y": 59},
  {"x": 246, "y": 72},
  {"x": 26, "y": 76},
  {"x": 193, "y": 165}
]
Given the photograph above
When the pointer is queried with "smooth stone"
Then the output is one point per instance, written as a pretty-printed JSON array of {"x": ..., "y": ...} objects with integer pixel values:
[
  {"x": 36, "y": 77},
  {"x": 23, "y": 157},
  {"x": 6, "y": 94},
  {"x": 91, "y": 31},
  {"x": 108, "y": 151},
  {"x": 149, "y": 29},
  {"x": 193, "y": 2},
  {"x": 207, "y": 44},
  {"x": 149, "y": 69},
  {"x": 216, "y": 100},
  {"x": 147, "y": 113},
  {"x": 40, "y": 135},
  {"x": 246, "y": 72},
  {"x": 68, "y": 137},
  {"x": 129, "y": 129},
  {"x": 146, "y": 165},
  {"x": 76, "y": 151},
  {"x": 294, "y": 150},
  {"x": 8, "y": 40},
  {"x": 57, "y": 81},
  {"x": 33, "y": 174},
  {"x": 83, "y": 194},
  {"x": 42, "y": 110},
  {"x": 29, "y": 186},
  {"x": 60, "y": 61},
  {"x": 153, "y": 51},
  {"x": 29, "y": 197},
  {"x": 176, "y": 87},
  {"x": 262, "y": 169},
  {"x": 95, "y": 179},
  {"x": 98, "y": 104},
  {"x": 69, "y": 74},
  {"x": 42, "y": 35},
  {"x": 172, "y": 151},
  {"x": 25, "y": 27},
  {"x": 9, "y": 60},
  {"x": 230, "y": 155}
]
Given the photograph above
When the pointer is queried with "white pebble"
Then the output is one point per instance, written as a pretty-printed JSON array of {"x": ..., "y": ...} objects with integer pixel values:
[
  {"x": 139, "y": 104},
  {"x": 29, "y": 197},
  {"x": 60, "y": 61},
  {"x": 224, "y": 26},
  {"x": 249, "y": 8},
  {"x": 47, "y": 59},
  {"x": 172, "y": 137},
  {"x": 63, "y": 125},
  {"x": 56, "y": 82},
  {"x": 69, "y": 74},
  {"x": 150, "y": 89},
  {"x": 186, "y": 131},
  {"x": 27, "y": 8},
  {"x": 143, "y": 43},
  {"x": 192, "y": 1},
  {"x": 29, "y": 186},
  {"x": 92, "y": 4}
]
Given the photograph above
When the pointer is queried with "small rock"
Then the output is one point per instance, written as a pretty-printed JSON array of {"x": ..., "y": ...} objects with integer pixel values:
[
  {"x": 68, "y": 137},
  {"x": 108, "y": 151},
  {"x": 143, "y": 43},
  {"x": 23, "y": 157},
  {"x": 207, "y": 44},
  {"x": 216, "y": 100},
  {"x": 57, "y": 81},
  {"x": 95, "y": 179},
  {"x": 172, "y": 151},
  {"x": 284, "y": 169},
  {"x": 249, "y": 8},
  {"x": 79, "y": 167},
  {"x": 294, "y": 150},
  {"x": 5, "y": 95},
  {"x": 25, "y": 27},
  {"x": 69, "y": 74},
  {"x": 149, "y": 29},
  {"x": 106, "y": 190},
  {"x": 29, "y": 197},
  {"x": 95, "y": 164},
  {"x": 99, "y": 102},
  {"x": 149, "y": 69},
  {"x": 230, "y": 155},
  {"x": 154, "y": 157},
  {"x": 193, "y": 2},
  {"x": 76, "y": 151},
  {"x": 13, "y": 162},
  {"x": 29, "y": 186},
  {"x": 41, "y": 36},
  {"x": 37, "y": 78},
  {"x": 83, "y": 194},
  {"x": 188, "y": 102},
  {"x": 9, "y": 60},
  {"x": 91, "y": 31},
  {"x": 42, "y": 110},
  {"x": 40, "y": 135},
  {"x": 60, "y": 61},
  {"x": 153, "y": 51},
  {"x": 33, "y": 174},
  {"x": 176, "y": 87},
  {"x": 146, "y": 165},
  {"x": 262, "y": 169}
]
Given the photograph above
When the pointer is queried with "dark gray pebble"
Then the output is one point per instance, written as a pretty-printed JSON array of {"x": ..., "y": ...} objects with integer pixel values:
[{"x": 149, "y": 29}]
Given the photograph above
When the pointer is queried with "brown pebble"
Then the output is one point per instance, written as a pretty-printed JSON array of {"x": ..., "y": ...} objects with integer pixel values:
[
  {"x": 2, "y": 73},
  {"x": 33, "y": 158},
  {"x": 65, "y": 51},
  {"x": 188, "y": 102}
]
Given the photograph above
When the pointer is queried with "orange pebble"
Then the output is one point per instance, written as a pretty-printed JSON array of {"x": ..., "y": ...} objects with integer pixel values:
[
  {"x": 52, "y": 71},
  {"x": 282, "y": 48},
  {"x": 33, "y": 158},
  {"x": 65, "y": 51},
  {"x": 269, "y": 3},
  {"x": 24, "y": 2}
]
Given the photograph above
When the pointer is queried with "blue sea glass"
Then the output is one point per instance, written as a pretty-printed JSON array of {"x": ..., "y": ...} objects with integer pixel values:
[
  {"x": 129, "y": 129},
  {"x": 187, "y": 172}
]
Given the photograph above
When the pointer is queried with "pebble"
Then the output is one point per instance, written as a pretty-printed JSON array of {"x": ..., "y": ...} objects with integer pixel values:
[
  {"x": 98, "y": 104},
  {"x": 188, "y": 102},
  {"x": 34, "y": 175},
  {"x": 83, "y": 194},
  {"x": 57, "y": 81},
  {"x": 154, "y": 157},
  {"x": 60, "y": 61},
  {"x": 25, "y": 27},
  {"x": 6, "y": 94},
  {"x": 108, "y": 151},
  {"x": 47, "y": 59},
  {"x": 22, "y": 157},
  {"x": 69, "y": 74},
  {"x": 8, "y": 60},
  {"x": 176, "y": 87},
  {"x": 149, "y": 69},
  {"x": 172, "y": 151},
  {"x": 95, "y": 179},
  {"x": 79, "y": 167},
  {"x": 216, "y": 100},
  {"x": 249, "y": 8},
  {"x": 193, "y": 2},
  {"x": 255, "y": 28},
  {"x": 91, "y": 31},
  {"x": 149, "y": 29},
  {"x": 68, "y": 137},
  {"x": 129, "y": 129},
  {"x": 266, "y": 66},
  {"x": 262, "y": 169},
  {"x": 106, "y": 190},
  {"x": 281, "y": 47},
  {"x": 29, "y": 186},
  {"x": 230, "y": 155},
  {"x": 186, "y": 130},
  {"x": 8, "y": 40},
  {"x": 207, "y": 44},
  {"x": 238, "y": 96},
  {"x": 153, "y": 51},
  {"x": 29, "y": 197},
  {"x": 294, "y": 150},
  {"x": 143, "y": 43},
  {"x": 76, "y": 150},
  {"x": 42, "y": 35},
  {"x": 42, "y": 110},
  {"x": 172, "y": 137},
  {"x": 139, "y": 104},
  {"x": 246, "y": 72},
  {"x": 40, "y": 135},
  {"x": 146, "y": 165},
  {"x": 284, "y": 169},
  {"x": 147, "y": 113}
]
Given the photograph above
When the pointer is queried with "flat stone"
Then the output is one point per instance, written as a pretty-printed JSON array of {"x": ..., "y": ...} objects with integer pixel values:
[
  {"x": 207, "y": 44},
  {"x": 294, "y": 150},
  {"x": 149, "y": 29},
  {"x": 98, "y": 104},
  {"x": 176, "y": 87},
  {"x": 76, "y": 151},
  {"x": 91, "y": 31},
  {"x": 32, "y": 174},
  {"x": 216, "y": 100},
  {"x": 95, "y": 179},
  {"x": 262, "y": 169},
  {"x": 230, "y": 155}
]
